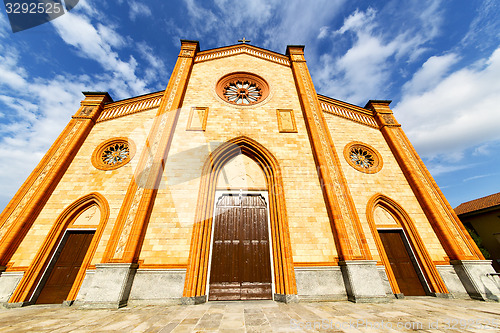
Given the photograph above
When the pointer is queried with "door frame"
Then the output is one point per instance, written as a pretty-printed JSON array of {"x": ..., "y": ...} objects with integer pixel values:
[
  {"x": 413, "y": 258},
  {"x": 218, "y": 195},
  {"x": 53, "y": 259}
]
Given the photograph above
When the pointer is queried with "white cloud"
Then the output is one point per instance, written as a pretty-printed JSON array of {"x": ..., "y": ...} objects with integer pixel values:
[
  {"x": 156, "y": 67},
  {"x": 480, "y": 176},
  {"x": 4, "y": 25},
  {"x": 431, "y": 73},
  {"x": 201, "y": 20},
  {"x": 359, "y": 21},
  {"x": 242, "y": 12},
  {"x": 297, "y": 22},
  {"x": 36, "y": 116},
  {"x": 9, "y": 76},
  {"x": 439, "y": 169},
  {"x": 431, "y": 17},
  {"x": 461, "y": 111},
  {"x": 36, "y": 109},
  {"x": 97, "y": 44},
  {"x": 323, "y": 32},
  {"x": 365, "y": 70},
  {"x": 138, "y": 9},
  {"x": 276, "y": 22},
  {"x": 110, "y": 36},
  {"x": 482, "y": 150},
  {"x": 484, "y": 31}
]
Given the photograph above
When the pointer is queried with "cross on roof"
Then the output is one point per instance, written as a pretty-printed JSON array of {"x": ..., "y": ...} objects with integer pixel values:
[{"x": 244, "y": 40}]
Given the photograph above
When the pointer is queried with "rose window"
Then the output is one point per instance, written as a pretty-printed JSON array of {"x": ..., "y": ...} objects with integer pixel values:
[
  {"x": 242, "y": 89},
  {"x": 242, "y": 92},
  {"x": 363, "y": 157},
  {"x": 113, "y": 153},
  {"x": 116, "y": 153}
]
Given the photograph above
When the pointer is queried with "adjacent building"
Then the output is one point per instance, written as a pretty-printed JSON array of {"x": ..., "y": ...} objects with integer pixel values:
[{"x": 482, "y": 219}]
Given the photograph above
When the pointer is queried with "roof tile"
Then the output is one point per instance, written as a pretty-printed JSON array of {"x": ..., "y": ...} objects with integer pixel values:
[{"x": 478, "y": 204}]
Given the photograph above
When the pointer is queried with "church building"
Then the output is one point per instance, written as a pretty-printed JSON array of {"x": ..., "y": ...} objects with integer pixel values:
[{"x": 237, "y": 182}]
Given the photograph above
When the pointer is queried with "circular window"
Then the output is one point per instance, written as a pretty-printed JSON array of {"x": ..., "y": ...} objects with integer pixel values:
[
  {"x": 113, "y": 153},
  {"x": 363, "y": 157},
  {"x": 242, "y": 88}
]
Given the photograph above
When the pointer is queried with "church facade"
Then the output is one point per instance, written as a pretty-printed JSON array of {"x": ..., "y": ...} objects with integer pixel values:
[{"x": 237, "y": 182}]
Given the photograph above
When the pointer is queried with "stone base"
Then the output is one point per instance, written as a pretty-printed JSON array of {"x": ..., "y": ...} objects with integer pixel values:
[
  {"x": 16, "y": 305},
  {"x": 194, "y": 300},
  {"x": 157, "y": 286},
  {"x": 108, "y": 288},
  {"x": 442, "y": 295},
  {"x": 386, "y": 283},
  {"x": 8, "y": 284},
  {"x": 362, "y": 281},
  {"x": 475, "y": 277},
  {"x": 286, "y": 298},
  {"x": 320, "y": 283},
  {"x": 452, "y": 282}
]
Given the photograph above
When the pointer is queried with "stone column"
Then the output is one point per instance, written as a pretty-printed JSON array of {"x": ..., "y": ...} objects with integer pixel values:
[
  {"x": 350, "y": 240},
  {"x": 123, "y": 249}
]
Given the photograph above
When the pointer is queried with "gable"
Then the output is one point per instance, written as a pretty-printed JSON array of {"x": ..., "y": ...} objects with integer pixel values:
[{"x": 242, "y": 49}]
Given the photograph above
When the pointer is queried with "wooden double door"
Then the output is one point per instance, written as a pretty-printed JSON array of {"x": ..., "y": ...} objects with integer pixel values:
[
  {"x": 63, "y": 269},
  {"x": 402, "y": 263},
  {"x": 241, "y": 264}
]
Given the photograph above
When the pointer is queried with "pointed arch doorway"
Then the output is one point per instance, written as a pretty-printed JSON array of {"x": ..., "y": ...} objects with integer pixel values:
[
  {"x": 216, "y": 178},
  {"x": 240, "y": 266},
  {"x": 59, "y": 267},
  {"x": 408, "y": 265}
]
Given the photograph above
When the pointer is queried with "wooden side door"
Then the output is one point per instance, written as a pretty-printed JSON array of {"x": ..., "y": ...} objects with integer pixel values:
[
  {"x": 241, "y": 268},
  {"x": 401, "y": 264},
  {"x": 68, "y": 260}
]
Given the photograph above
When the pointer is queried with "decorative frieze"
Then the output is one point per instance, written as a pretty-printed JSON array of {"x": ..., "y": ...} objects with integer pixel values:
[
  {"x": 349, "y": 114},
  {"x": 271, "y": 56},
  {"x": 120, "y": 109}
]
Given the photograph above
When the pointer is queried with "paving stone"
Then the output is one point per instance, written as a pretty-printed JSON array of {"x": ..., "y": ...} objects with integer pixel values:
[{"x": 433, "y": 314}]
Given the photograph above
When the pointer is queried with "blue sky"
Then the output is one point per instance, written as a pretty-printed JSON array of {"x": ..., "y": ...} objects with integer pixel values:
[{"x": 438, "y": 61}]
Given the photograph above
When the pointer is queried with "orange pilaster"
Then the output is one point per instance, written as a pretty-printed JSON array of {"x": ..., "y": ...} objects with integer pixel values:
[
  {"x": 23, "y": 209},
  {"x": 130, "y": 227},
  {"x": 455, "y": 240},
  {"x": 348, "y": 234}
]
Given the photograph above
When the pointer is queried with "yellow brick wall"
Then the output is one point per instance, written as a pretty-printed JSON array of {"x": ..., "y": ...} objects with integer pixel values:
[
  {"x": 82, "y": 178},
  {"x": 169, "y": 232},
  {"x": 389, "y": 181}
]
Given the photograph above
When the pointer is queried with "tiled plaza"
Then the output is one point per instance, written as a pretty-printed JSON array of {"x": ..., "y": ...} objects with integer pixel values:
[{"x": 425, "y": 314}]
